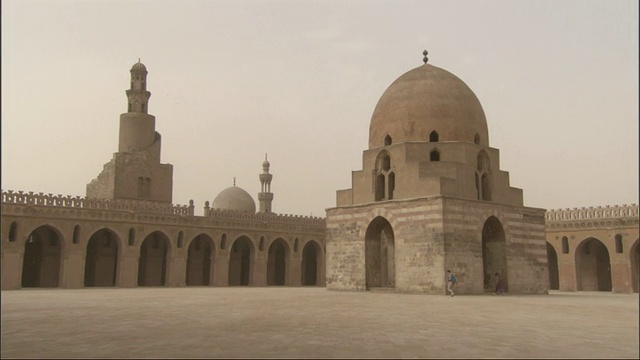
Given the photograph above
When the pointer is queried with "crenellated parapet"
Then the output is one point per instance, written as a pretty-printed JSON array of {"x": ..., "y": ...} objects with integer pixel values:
[
  {"x": 273, "y": 218},
  {"x": 598, "y": 216},
  {"x": 68, "y": 201}
]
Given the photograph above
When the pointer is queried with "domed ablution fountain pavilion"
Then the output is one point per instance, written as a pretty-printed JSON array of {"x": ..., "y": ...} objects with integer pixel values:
[{"x": 430, "y": 197}]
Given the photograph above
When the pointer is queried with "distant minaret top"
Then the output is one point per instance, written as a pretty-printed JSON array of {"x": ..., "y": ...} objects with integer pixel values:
[{"x": 137, "y": 95}]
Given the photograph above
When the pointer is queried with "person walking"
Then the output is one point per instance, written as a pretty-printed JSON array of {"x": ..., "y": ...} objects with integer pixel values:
[
  {"x": 451, "y": 281},
  {"x": 498, "y": 290}
]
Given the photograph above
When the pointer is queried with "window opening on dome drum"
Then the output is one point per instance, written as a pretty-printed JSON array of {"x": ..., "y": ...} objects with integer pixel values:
[
  {"x": 434, "y": 137},
  {"x": 384, "y": 178},
  {"x": 434, "y": 155},
  {"x": 387, "y": 140},
  {"x": 476, "y": 139}
]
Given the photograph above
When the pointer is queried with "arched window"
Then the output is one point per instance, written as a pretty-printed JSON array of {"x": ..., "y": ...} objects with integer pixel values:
[
  {"x": 132, "y": 237},
  {"x": 483, "y": 177},
  {"x": 12, "y": 231},
  {"x": 382, "y": 181},
  {"x": 619, "y": 248},
  {"x": 261, "y": 244},
  {"x": 476, "y": 139},
  {"x": 76, "y": 234},
  {"x": 434, "y": 155},
  {"x": 433, "y": 137},
  {"x": 223, "y": 241},
  {"x": 295, "y": 245},
  {"x": 565, "y": 245},
  {"x": 387, "y": 140},
  {"x": 180, "y": 239}
]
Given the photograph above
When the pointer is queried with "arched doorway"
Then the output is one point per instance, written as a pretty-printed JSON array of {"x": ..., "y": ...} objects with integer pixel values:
[
  {"x": 593, "y": 266},
  {"x": 101, "y": 259},
  {"x": 278, "y": 263},
  {"x": 494, "y": 254},
  {"x": 554, "y": 275},
  {"x": 310, "y": 262},
  {"x": 200, "y": 257},
  {"x": 42, "y": 255},
  {"x": 380, "y": 254},
  {"x": 635, "y": 259},
  {"x": 152, "y": 267},
  {"x": 240, "y": 264}
]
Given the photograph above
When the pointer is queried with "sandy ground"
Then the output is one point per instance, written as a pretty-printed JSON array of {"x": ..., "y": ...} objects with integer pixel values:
[{"x": 234, "y": 322}]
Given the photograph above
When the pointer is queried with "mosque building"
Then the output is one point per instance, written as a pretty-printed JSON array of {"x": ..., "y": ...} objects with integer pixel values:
[{"x": 430, "y": 197}]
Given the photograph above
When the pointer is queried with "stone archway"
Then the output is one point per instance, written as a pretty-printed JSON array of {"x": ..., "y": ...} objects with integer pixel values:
[
  {"x": 593, "y": 266},
  {"x": 240, "y": 261},
  {"x": 200, "y": 257},
  {"x": 552, "y": 261},
  {"x": 310, "y": 264},
  {"x": 635, "y": 259},
  {"x": 152, "y": 267},
  {"x": 101, "y": 259},
  {"x": 379, "y": 254},
  {"x": 42, "y": 257},
  {"x": 494, "y": 254},
  {"x": 278, "y": 263}
]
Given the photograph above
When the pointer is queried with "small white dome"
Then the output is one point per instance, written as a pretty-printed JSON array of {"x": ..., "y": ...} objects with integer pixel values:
[{"x": 236, "y": 199}]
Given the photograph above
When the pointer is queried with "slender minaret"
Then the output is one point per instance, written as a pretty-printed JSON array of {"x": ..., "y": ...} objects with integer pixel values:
[{"x": 265, "y": 196}]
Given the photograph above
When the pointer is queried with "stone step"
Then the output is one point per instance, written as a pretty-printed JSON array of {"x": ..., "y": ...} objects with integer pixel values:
[{"x": 382, "y": 289}]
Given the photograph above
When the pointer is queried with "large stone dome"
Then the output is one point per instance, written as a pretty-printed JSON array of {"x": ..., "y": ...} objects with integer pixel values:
[
  {"x": 424, "y": 100},
  {"x": 235, "y": 199}
]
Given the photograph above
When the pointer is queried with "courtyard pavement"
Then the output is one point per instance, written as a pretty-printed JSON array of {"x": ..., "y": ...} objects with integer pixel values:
[{"x": 283, "y": 322}]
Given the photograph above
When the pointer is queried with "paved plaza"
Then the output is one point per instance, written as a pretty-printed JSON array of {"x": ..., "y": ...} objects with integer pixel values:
[{"x": 282, "y": 322}]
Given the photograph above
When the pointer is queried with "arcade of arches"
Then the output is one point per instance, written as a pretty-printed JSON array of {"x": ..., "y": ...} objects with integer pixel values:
[
  {"x": 593, "y": 249},
  {"x": 49, "y": 257}
]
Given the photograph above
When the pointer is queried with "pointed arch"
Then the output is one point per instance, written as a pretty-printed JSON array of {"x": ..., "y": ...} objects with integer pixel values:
[
  {"x": 552, "y": 261},
  {"x": 434, "y": 136},
  {"x": 379, "y": 254},
  {"x": 154, "y": 254},
  {"x": 101, "y": 258},
  {"x": 278, "y": 263},
  {"x": 387, "y": 140},
  {"x": 434, "y": 155},
  {"x": 42, "y": 257},
  {"x": 311, "y": 263},
  {"x": 200, "y": 258},
  {"x": 593, "y": 266},
  {"x": 494, "y": 253},
  {"x": 241, "y": 261}
]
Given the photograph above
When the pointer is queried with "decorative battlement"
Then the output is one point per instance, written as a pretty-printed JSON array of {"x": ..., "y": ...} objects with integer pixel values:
[
  {"x": 590, "y": 213},
  {"x": 41, "y": 199},
  {"x": 285, "y": 219}
]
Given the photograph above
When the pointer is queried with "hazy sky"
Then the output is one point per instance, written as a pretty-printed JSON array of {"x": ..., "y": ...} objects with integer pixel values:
[{"x": 233, "y": 80}]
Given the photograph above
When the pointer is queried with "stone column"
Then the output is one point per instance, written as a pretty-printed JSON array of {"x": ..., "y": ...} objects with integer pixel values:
[
  {"x": 260, "y": 269},
  {"x": 621, "y": 276},
  {"x": 177, "y": 271},
  {"x": 128, "y": 268},
  {"x": 72, "y": 267},
  {"x": 295, "y": 268},
  {"x": 221, "y": 269},
  {"x": 11, "y": 267},
  {"x": 567, "y": 272}
]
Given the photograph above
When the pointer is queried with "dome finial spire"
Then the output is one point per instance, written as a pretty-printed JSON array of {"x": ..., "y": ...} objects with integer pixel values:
[
  {"x": 234, "y": 181},
  {"x": 425, "y": 58}
]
